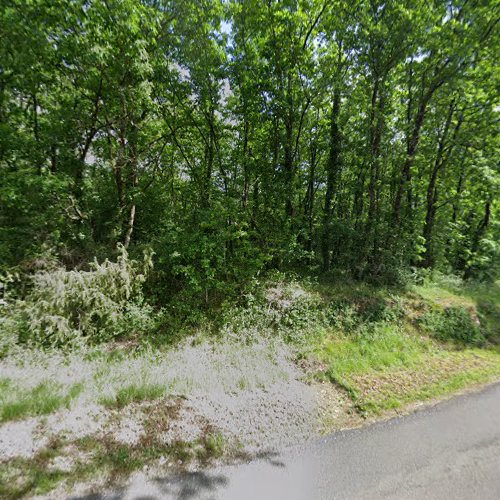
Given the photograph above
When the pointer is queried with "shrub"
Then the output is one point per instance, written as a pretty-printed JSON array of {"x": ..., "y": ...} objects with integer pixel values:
[
  {"x": 282, "y": 308},
  {"x": 454, "y": 323},
  {"x": 343, "y": 316},
  {"x": 64, "y": 307}
]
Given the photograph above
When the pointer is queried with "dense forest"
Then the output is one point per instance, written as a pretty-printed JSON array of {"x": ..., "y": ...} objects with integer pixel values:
[
  {"x": 353, "y": 138},
  {"x": 232, "y": 226}
]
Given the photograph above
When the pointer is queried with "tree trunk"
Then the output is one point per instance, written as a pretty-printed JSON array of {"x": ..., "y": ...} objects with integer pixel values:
[
  {"x": 130, "y": 226},
  {"x": 309, "y": 201},
  {"x": 36, "y": 134},
  {"x": 477, "y": 237},
  {"x": 332, "y": 172},
  {"x": 246, "y": 174},
  {"x": 432, "y": 192},
  {"x": 376, "y": 131},
  {"x": 288, "y": 166},
  {"x": 410, "y": 155}
]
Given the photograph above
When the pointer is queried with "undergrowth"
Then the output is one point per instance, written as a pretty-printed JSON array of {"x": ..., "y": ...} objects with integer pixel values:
[{"x": 67, "y": 308}]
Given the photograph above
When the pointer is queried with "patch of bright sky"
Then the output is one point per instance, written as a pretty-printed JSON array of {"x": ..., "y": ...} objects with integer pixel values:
[{"x": 225, "y": 27}]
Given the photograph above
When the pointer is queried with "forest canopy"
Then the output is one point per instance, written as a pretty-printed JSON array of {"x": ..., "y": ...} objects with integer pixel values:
[{"x": 358, "y": 138}]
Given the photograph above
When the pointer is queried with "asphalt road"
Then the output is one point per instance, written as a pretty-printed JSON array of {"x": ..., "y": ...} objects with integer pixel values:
[{"x": 449, "y": 451}]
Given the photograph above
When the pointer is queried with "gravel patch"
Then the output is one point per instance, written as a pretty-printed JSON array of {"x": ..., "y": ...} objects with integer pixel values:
[
  {"x": 253, "y": 394},
  {"x": 128, "y": 431},
  {"x": 18, "y": 439},
  {"x": 282, "y": 414}
]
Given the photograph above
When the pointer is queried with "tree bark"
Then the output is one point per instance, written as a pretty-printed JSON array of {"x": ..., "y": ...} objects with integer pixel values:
[
  {"x": 410, "y": 156},
  {"x": 333, "y": 172},
  {"x": 288, "y": 159},
  {"x": 432, "y": 191}
]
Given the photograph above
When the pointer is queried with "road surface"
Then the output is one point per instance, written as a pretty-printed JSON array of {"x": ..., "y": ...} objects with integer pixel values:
[{"x": 448, "y": 451}]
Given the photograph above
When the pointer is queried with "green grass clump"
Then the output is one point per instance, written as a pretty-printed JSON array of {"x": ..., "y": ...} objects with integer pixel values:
[
  {"x": 45, "y": 398},
  {"x": 385, "y": 347},
  {"x": 213, "y": 445},
  {"x": 134, "y": 393}
]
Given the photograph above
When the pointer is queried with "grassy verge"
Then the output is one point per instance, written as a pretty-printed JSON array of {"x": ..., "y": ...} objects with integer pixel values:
[
  {"x": 433, "y": 376},
  {"x": 390, "y": 350}
]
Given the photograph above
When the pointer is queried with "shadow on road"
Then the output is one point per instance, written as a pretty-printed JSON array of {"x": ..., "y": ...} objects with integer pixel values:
[{"x": 181, "y": 486}]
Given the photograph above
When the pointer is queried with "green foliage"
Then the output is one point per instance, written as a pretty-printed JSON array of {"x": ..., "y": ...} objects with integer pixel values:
[
  {"x": 453, "y": 323},
  {"x": 343, "y": 316},
  {"x": 235, "y": 138},
  {"x": 65, "y": 307}
]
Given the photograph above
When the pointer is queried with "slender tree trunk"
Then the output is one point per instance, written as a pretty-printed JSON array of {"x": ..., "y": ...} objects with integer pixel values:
[
  {"x": 246, "y": 173},
  {"x": 410, "y": 156},
  {"x": 133, "y": 183},
  {"x": 430, "y": 215},
  {"x": 432, "y": 192},
  {"x": 209, "y": 161},
  {"x": 376, "y": 131},
  {"x": 453, "y": 253},
  {"x": 288, "y": 159},
  {"x": 477, "y": 237},
  {"x": 36, "y": 133},
  {"x": 53, "y": 158},
  {"x": 130, "y": 226},
  {"x": 309, "y": 201},
  {"x": 333, "y": 172},
  {"x": 117, "y": 170}
]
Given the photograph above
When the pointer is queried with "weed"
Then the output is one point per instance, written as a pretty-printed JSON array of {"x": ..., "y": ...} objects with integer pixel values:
[
  {"x": 45, "y": 398},
  {"x": 134, "y": 393},
  {"x": 213, "y": 446}
]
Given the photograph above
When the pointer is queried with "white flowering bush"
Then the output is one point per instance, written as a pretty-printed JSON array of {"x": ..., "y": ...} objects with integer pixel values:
[{"x": 65, "y": 307}]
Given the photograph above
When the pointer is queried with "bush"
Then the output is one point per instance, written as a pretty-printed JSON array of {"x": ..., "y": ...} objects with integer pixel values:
[
  {"x": 454, "y": 323},
  {"x": 343, "y": 316},
  {"x": 282, "y": 307},
  {"x": 64, "y": 307}
]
